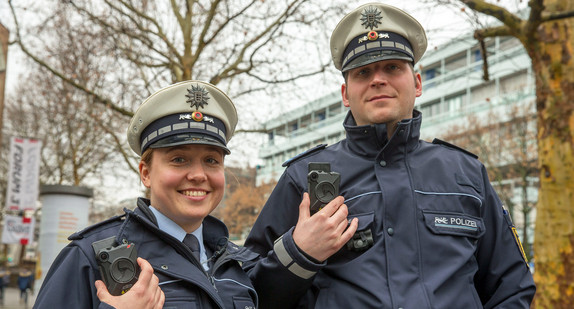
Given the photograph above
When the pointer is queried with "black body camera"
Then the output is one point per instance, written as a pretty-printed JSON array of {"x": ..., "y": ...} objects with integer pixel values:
[
  {"x": 117, "y": 263},
  {"x": 323, "y": 185}
]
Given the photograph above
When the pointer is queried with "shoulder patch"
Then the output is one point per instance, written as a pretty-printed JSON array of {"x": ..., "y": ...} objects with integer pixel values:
[
  {"x": 304, "y": 154},
  {"x": 437, "y": 141},
  {"x": 80, "y": 234}
]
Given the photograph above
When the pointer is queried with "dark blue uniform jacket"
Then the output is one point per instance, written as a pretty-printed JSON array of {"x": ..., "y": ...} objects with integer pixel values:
[
  {"x": 70, "y": 281},
  {"x": 441, "y": 238}
]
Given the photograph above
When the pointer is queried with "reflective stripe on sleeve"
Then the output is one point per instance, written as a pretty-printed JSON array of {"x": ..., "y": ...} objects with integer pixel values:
[{"x": 288, "y": 261}]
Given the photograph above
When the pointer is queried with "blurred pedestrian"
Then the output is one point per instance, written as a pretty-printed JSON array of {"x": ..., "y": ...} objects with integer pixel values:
[
  {"x": 25, "y": 279},
  {"x": 4, "y": 281}
]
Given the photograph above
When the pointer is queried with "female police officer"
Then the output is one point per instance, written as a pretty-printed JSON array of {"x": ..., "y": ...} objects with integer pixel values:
[{"x": 181, "y": 133}]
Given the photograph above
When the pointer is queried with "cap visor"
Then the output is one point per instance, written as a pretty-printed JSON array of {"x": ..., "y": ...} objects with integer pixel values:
[
  {"x": 188, "y": 139},
  {"x": 375, "y": 56}
]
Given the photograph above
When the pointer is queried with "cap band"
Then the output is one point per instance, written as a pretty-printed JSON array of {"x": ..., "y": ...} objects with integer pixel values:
[
  {"x": 186, "y": 139},
  {"x": 377, "y": 41},
  {"x": 177, "y": 125},
  {"x": 375, "y": 56}
]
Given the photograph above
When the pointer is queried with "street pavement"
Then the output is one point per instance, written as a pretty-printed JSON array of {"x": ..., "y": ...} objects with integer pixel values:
[{"x": 12, "y": 299}]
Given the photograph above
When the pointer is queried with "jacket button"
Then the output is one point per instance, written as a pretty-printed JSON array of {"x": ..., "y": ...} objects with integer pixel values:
[
  {"x": 390, "y": 231},
  {"x": 383, "y": 163},
  {"x": 164, "y": 267}
]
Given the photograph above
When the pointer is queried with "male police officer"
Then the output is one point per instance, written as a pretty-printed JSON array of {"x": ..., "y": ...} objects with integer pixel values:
[{"x": 431, "y": 231}]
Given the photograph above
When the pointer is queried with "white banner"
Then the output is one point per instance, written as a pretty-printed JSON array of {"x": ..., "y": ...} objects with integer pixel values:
[
  {"x": 23, "y": 183},
  {"x": 18, "y": 230}
]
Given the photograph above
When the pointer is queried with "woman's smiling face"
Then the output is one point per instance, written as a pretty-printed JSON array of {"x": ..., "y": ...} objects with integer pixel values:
[{"x": 186, "y": 182}]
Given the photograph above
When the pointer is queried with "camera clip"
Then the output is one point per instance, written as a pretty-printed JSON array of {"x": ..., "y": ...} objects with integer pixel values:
[{"x": 361, "y": 241}]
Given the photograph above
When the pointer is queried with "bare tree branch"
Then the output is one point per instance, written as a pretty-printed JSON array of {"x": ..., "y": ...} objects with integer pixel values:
[{"x": 59, "y": 74}]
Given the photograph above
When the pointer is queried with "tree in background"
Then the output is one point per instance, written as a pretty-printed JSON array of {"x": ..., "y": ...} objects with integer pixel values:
[
  {"x": 105, "y": 57},
  {"x": 547, "y": 34},
  {"x": 506, "y": 144},
  {"x": 242, "y": 46},
  {"x": 77, "y": 145},
  {"x": 243, "y": 205},
  {"x": 243, "y": 200}
]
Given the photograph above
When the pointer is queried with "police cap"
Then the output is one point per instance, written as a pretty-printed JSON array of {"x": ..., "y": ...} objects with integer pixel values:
[
  {"x": 189, "y": 112},
  {"x": 375, "y": 32}
]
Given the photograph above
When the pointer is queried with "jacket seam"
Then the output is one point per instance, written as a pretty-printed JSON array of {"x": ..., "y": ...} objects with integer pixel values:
[
  {"x": 450, "y": 193},
  {"x": 421, "y": 277}
]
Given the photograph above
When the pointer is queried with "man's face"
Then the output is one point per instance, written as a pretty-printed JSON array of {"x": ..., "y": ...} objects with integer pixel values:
[
  {"x": 186, "y": 182},
  {"x": 382, "y": 92}
]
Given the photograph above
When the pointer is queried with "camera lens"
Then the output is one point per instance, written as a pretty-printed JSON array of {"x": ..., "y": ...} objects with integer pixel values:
[
  {"x": 123, "y": 270},
  {"x": 314, "y": 175},
  {"x": 104, "y": 256}
]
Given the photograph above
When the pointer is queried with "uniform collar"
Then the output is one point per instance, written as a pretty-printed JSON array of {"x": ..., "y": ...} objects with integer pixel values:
[
  {"x": 167, "y": 225},
  {"x": 214, "y": 232},
  {"x": 370, "y": 140}
]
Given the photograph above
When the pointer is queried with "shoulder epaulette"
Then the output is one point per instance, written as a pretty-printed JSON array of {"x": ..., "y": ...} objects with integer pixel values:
[
  {"x": 304, "y": 154},
  {"x": 80, "y": 234},
  {"x": 437, "y": 141}
]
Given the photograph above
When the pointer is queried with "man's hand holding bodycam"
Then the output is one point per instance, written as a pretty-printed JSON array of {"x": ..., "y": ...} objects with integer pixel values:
[{"x": 323, "y": 234}]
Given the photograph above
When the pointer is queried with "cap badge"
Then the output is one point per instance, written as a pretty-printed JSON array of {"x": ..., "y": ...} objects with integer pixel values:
[
  {"x": 197, "y": 96},
  {"x": 371, "y": 17},
  {"x": 197, "y": 116},
  {"x": 373, "y": 35}
]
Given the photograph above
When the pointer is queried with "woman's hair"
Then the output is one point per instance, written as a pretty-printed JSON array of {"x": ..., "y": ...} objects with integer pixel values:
[{"x": 147, "y": 156}]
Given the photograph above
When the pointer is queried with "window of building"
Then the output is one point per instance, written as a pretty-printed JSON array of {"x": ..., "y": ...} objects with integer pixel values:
[
  {"x": 271, "y": 136},
  {"x": 453, "y": 104},
  {"x": 508, "y": 43},
  {"x": 334, "y": 109},
  {"x": 514, "y": 83},
  {"x": 483, "y": 93},
  {"x": 456, "y": 62},
  {"x": 305, "y": 121},
  {"x": 293, "y": 126},
  {"x": 431, "y": 109},
  {"x": 429, "y": 75},
  {"x": 476, "y": 58}
]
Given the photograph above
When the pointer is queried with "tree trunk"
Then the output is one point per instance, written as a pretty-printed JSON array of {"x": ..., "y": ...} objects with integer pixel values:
[{"x": 553, "y": 63}]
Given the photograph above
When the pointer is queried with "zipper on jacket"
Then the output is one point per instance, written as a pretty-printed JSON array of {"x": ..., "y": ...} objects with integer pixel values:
[
  {"x": 220, "y": 257},
  {"x": 176, "y": 243}
]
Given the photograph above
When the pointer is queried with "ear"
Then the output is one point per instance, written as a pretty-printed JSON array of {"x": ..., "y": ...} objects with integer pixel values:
[
  {"x": 418, "y": 85},
  {"x": 144, "y": 174},
  {"x": 344, "y": 95}
]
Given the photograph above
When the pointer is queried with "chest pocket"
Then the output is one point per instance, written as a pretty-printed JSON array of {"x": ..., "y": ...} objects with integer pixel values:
[
  {"x": 176, "y": 296},
  {"x": 181, "y": 304},
  {"x": 455, "y": 224},
  {"x": 363, "y": 238}
]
